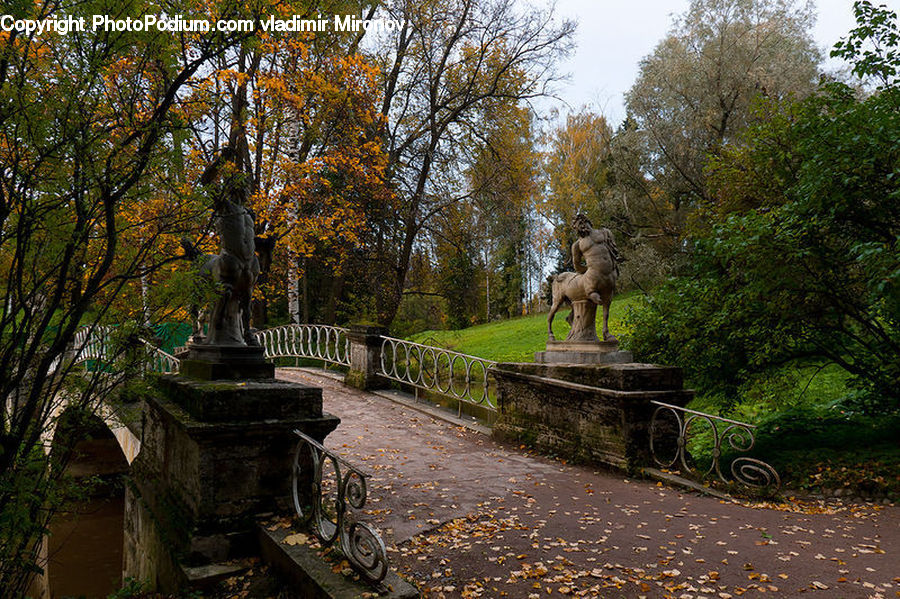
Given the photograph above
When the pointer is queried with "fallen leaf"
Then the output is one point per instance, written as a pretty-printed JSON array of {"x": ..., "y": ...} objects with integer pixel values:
[{"x": 295, "y": 539}]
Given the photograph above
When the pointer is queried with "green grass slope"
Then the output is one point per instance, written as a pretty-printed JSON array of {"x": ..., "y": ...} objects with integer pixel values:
[{"x": 517, "y": 339}]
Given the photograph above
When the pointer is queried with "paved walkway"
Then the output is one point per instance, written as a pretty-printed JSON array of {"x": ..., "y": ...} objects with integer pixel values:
[{"x": 467, "y": 517}]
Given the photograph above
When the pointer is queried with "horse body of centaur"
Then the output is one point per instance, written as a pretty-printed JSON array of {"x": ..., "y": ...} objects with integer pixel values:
[{"x": 595, "y": 280}]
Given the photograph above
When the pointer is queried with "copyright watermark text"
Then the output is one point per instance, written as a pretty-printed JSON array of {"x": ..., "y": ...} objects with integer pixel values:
[{"x": 177, "y": 23}]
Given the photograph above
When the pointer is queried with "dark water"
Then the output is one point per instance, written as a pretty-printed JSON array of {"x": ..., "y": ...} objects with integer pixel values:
[
  {"x": 85, "y": 544},
  {"x": 85, "y": 551}
]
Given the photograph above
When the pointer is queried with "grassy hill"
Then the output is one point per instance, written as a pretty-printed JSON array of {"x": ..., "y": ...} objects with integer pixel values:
[{"x": 517, "y": 339}]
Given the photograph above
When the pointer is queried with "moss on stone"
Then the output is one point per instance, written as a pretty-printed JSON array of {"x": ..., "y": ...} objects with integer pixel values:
[{"x": 355, "y": 379}]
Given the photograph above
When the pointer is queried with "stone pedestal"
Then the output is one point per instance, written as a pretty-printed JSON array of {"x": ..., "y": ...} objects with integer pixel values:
[
  {"x": 582, "y": 346},
  {"x": 589, "y": 413},
  {"x": 215, "y": 456},
  {"x": 583, "y": 352},
  {"x": 365, "y": 357},
  {"x": 225, "y": 362}
]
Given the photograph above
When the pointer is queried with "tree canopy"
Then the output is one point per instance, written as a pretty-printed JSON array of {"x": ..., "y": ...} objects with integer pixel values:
[
  {"x": 695, "y": 91},
  {"x": 796, "y": 252}
]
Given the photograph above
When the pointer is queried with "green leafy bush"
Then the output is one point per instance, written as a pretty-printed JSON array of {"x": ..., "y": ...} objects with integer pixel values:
[{"x": 798, "y": 258}]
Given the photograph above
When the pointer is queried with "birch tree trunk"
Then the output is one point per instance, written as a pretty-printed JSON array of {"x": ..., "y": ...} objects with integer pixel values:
[{"x": 293, "y": 289}]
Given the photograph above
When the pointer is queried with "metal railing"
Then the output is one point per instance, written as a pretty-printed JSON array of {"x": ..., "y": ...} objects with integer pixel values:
[
  {"x": 460, "y": 376},
  {"x": 93, "y": 343},
  {"x": 453, "y": 374},
  {"x": 315, "y": 341},
  {"x": 740, "y": 438},
  {"x": 319, "y": 342},
  {"x": 328, "y": 506},
  {"x": 159, "y": 360}
]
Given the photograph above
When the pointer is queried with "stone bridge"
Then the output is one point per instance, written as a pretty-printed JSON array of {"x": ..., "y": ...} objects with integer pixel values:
[
  {"x": 457, "y": 507},
  {"x": 432, "y": 465}
]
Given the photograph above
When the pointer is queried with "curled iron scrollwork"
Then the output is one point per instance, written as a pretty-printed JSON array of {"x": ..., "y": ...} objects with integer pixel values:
[
  {"x": 755, "y": 473},
  {"x": 740, "y": 438},
  {"x": 359, "y": 542}
]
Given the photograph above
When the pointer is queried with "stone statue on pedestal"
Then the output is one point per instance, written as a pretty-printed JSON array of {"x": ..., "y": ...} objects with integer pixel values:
[
  {"x": 229, "y": 349},
  {"x": 235, "y": 268},
  {"x": 592, "y": 285}
]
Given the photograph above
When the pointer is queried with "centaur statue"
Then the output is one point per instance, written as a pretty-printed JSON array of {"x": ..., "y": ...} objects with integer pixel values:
[
  {"x": 594, "y": 281},
  {"x": 235, "y": 268}
]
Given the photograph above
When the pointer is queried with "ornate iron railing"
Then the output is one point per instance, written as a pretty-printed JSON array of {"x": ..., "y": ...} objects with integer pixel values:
[
  {"x": 315, "y": 341},
  {"x": 461, "y": 376},
  {"x": 159, "y": 360},
  {"x": 360, "y": 542},
  {"x": 93, "y": 343},
  {"x": 740, "y": 438}
]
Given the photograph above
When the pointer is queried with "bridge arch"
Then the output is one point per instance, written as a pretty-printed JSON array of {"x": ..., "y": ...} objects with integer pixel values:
[
  {"x": 129, "y": 441},
  {"x": 87, "y": 534}
]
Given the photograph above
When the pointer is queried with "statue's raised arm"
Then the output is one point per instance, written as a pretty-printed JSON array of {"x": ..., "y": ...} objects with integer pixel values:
[{"x": 577, "y": 259}]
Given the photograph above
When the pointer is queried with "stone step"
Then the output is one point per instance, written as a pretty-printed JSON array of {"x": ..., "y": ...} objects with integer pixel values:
[{"x": 313, "y": 576}]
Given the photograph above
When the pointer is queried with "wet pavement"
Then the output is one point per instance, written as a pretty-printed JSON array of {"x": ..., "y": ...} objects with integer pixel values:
[{"x": 464, "y": 516}]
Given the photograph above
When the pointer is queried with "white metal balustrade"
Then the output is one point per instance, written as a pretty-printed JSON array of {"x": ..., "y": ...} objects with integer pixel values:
[
  {"x": 93, "y": 343},
  {"x": 314, "y": 341},
  {"x": 454, "y": 374}
]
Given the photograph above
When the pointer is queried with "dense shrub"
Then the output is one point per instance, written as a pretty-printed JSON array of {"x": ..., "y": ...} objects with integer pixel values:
[{"x": 798, "y": 257}]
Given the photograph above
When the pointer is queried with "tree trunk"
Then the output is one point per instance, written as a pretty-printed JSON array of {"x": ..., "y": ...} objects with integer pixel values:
[
  {"x": 145, "y": 300},
  {"x": 294, "y": 290},
  {"x": 487, "y": 291},
  {"x": 584, "y": 318},
  {"x": 337, "y": 289},
  {"x": 305, "y": 314},
  {"x": 259, "y": 313}
]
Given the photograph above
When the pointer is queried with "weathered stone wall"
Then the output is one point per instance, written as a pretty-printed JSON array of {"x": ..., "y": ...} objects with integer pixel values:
[
  {"x": 215, "y": 455},
  {"x": 596, "y": 414},
  {"x": 148, "y": 557}
]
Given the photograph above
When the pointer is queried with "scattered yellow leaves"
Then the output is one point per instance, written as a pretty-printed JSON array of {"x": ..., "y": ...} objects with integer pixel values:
[{"x": 295, "y": 539}]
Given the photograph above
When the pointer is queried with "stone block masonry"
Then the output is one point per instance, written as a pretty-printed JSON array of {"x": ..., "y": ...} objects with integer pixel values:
[
  {"x": 597, "y": 414},
  {"x": 215, "y": 456},
  {"x": 365, "y": 357}
]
